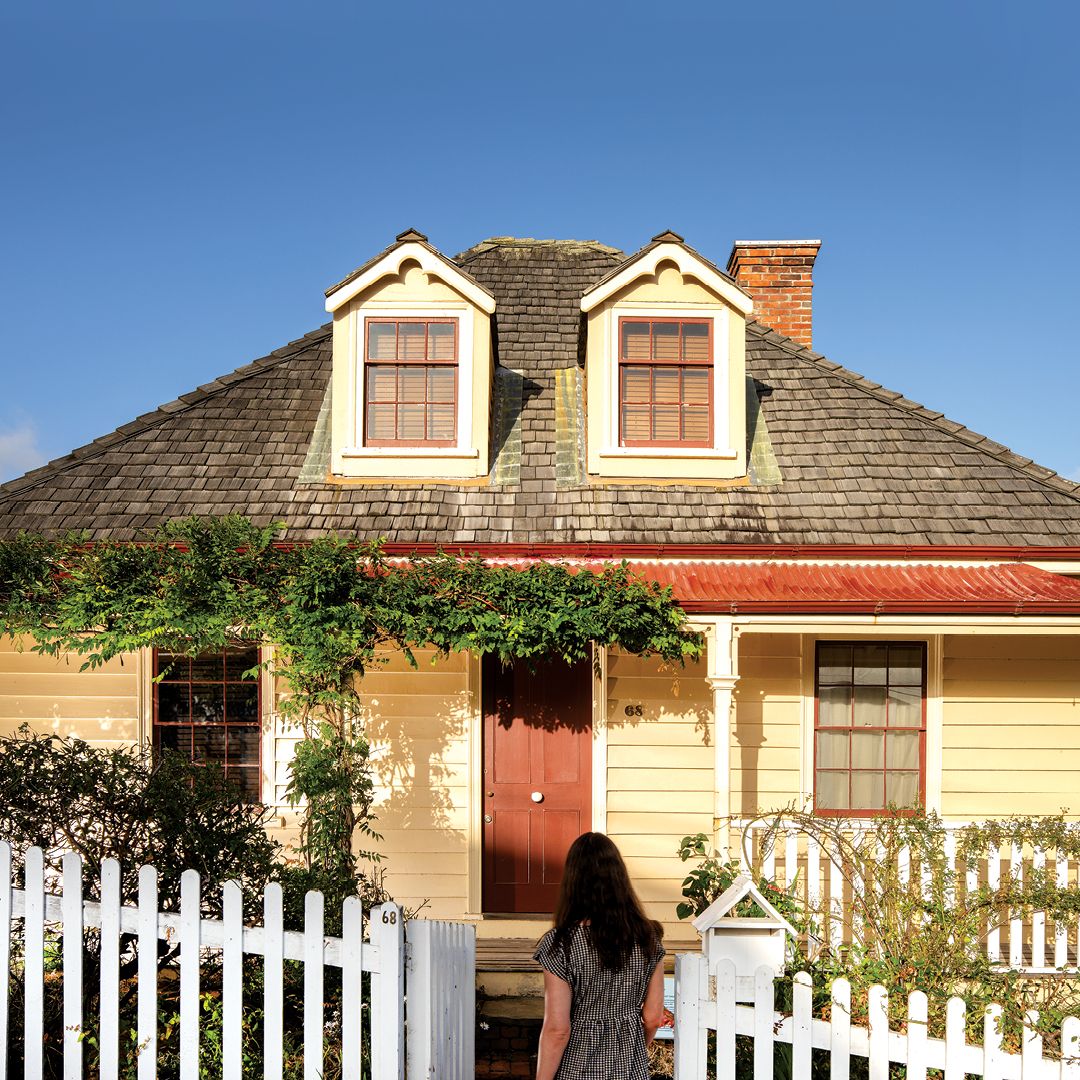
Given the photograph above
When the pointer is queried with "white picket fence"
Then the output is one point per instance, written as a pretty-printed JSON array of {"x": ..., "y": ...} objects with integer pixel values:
[
  {"x": 704, "y": 1004},
  {"x": 1033, "y": 945},
  {"x": 441, "y": 1031}
]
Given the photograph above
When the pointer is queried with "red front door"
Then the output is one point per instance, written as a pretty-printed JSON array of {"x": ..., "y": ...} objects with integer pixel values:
[{"x": 537, "y": 779}]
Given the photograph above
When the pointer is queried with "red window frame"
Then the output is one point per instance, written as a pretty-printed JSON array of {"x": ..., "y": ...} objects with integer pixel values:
[
  {"x": 681, "y": 364},
  {"x": 399, "y": 362},
  {"x": 177, "y": 675},
  {"x": 851, "y": 727}
]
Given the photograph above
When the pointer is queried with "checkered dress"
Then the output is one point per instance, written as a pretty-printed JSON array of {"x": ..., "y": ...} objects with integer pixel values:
[{"x": 607, "y": 1040}]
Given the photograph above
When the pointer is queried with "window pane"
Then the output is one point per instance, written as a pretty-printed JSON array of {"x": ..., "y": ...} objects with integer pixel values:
[
  {"x": 905, "y": 706},
  {"x": 440, "y": 384},
  {"x": 243, "y": 746},
  {"x": 248, "y": 781},
  {"x": 834, "y": 664},
  {"x": 382, "y": 341},
  {"x": 207, "y": 703},
  {"x": 869, "y": 706},
  {"x": 665, "y": 341},
  {"x": 666, "y": 423},
  {"x": 695, "y": 341},
  {"x": 834, "y": 706},
  {"x": 175, "y": 738},
  {"x": 411, "y": 422},
  {"x": 867, "y": 791},
  {"x": 635, "y": 341},
  {"x": 903, "y": 750},
  {"x": 870, "y": 664},
  {"x": 174, "y": 703},
  {"x": 636, "y": 384},
  {"x": 696, "y": 425},
  {"x": 831, "y": 791},
  {"x": 237, "y": 661},
  {"x": 242, "y": 702},
  {"x": 665, "y": 384},
  {"x": 440, "y": 422},
  {"x": 902, "y": 789},
  {"x": 696, "y": 386},
  {"x": 208, "y": 743},
  {"x": 635, "y": 422},
  {"x": 175, "y": 666},
  {"x": 867, "y": 750},
  {"x": 832, "y": 750},
  {"x": 380, "y": 422},
  {"x": 412, "y": 383},
  {"x": 209, "y": 667},
  {"x": 906, "y": 665},
  {"x": 412, "y": 338},
  {"x": 381, "y": 382},
  {"x": 441, "y": 341}
]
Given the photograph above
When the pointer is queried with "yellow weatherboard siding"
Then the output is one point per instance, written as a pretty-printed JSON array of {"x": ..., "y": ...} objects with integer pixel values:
[
  {"x": 53, "y": 696},
  {"x": 411, "y": 291},
  {"x": 1011, "y": 729},
  {"x": 669, "y": 293},
  {"x": 766, "y": 729},
  {"x": 659, "y": 773}
]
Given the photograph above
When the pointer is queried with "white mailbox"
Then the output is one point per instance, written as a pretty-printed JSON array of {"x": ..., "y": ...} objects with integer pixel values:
[{"x": 749, "y": 942}]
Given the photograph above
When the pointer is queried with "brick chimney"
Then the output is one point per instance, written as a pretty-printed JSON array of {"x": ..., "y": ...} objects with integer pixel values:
[{"x": 778, "y": 274}]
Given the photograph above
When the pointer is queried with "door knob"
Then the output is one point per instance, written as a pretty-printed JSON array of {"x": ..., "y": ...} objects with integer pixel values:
[
  {"x": 487, "y": 819},
  {"x": 537, "y": 796}
]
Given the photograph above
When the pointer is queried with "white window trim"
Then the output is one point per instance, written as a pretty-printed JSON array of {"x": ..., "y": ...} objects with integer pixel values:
[
  {"x": 718, "y": 316},
  {"x": 462, "y": 314}
]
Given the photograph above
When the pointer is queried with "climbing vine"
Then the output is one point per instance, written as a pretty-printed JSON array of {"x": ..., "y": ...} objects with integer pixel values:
[{"x": 328, "y": 610}]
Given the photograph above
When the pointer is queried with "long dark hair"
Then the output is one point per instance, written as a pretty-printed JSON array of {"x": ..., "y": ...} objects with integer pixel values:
[{"x": 596, "y": 889}]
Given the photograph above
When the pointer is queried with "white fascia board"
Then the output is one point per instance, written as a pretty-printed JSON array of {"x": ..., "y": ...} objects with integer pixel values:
[
  {"x": 686, "y": 262},
  {"x": 429, "y": 263}
]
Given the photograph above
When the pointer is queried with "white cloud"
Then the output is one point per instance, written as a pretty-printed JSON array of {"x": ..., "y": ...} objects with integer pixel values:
[{"x": 19, "y": 450}]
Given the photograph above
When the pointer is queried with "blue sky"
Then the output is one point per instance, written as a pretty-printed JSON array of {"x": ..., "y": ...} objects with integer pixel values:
[{"x": 180, "y": 183}]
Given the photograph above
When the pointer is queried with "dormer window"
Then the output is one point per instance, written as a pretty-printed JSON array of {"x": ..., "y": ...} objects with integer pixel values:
[
  {"x": 410, "y": 376},
  {"x": 665, "y": 382}
]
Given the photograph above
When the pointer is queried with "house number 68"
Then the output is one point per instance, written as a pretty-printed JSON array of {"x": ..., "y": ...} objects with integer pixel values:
[
  {"x": 389, "y": 917},
  {"x": 632, "y": 710}
]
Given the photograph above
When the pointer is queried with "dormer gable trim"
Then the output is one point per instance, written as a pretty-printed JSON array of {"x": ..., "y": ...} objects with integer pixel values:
[
  {"x": 667, "y": 247},
  {"x": 431, "y": 261}
]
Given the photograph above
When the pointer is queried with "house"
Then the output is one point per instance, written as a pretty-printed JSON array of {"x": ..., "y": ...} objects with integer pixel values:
[{"x": 890, "y": 600}]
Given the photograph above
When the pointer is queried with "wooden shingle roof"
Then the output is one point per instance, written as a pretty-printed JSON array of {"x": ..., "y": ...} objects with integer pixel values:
[{"x": 851, "y": 462}]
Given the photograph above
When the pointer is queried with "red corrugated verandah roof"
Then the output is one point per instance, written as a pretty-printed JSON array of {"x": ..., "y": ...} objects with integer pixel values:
[{"x": 799, "y": 587}]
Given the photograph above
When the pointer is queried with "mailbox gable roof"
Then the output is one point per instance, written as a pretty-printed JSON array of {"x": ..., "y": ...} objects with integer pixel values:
[{"x": 741, "y": 888}]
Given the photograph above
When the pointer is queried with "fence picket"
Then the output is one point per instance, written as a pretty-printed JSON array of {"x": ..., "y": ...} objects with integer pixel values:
[
  {"x": 1016, "y": 920},
  {"x": 791, "y": 859},
  {"x": 878, "y": 1016},
  {"x": 955, "y": 1038},
  {"x": 1031, "y": 1048},
  {"x": 1061, "y": 929},
  {"x": 147, "y": 970},
  {"x": 763, "y": 1024},
  {"x": 313, "y": 986},
  {"x": 232, "y": 980},
  {"x": 1038, "y": 918},
  {"x": 993, "y": 881},
  {"x": 387, "y": 996},
  {"x": 109, "y": 982},
  {"x": 950, "y": 868},
  {"x": 836, "y": 903},
  {"x": 993, "y": 1066},
  {"x": 917, "y": 1015},
  {"x": 352, "y": 970},
  {"x": 273, "y": 981},
  {"x": 904, "y": 865},
  {"x": 813, "y": 872},
  {"x": 190, "y": 941},
  {"x": 1070, "y": 1049},
  {"x": 802, "y": 1014},
  {"x": 33, "y": 962},
  {"x": 72, "y": 956},
  {"x": 840, "y": 1031},
  {"x": 5, "y": 951},
  {"x": 691, "y": 988},
  {"x": 725, "y": 1020}
]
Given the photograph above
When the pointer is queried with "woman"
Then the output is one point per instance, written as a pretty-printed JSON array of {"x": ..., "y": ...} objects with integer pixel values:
[{"x": 603, "y": 979}]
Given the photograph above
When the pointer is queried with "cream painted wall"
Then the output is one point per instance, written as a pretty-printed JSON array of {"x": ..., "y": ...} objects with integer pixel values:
[
  {"x": 411, "y": 289},
  {"x": 1011, "y": 729},
  {"x": 669, "y": 292},
  {"x": 52, "y": 695},
  {"x": 766, "y": 733},
  {"x": 659, "y": 774}
]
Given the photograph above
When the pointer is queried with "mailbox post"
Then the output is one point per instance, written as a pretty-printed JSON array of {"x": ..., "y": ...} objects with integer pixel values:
[{"x": 750, "y": 943}]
